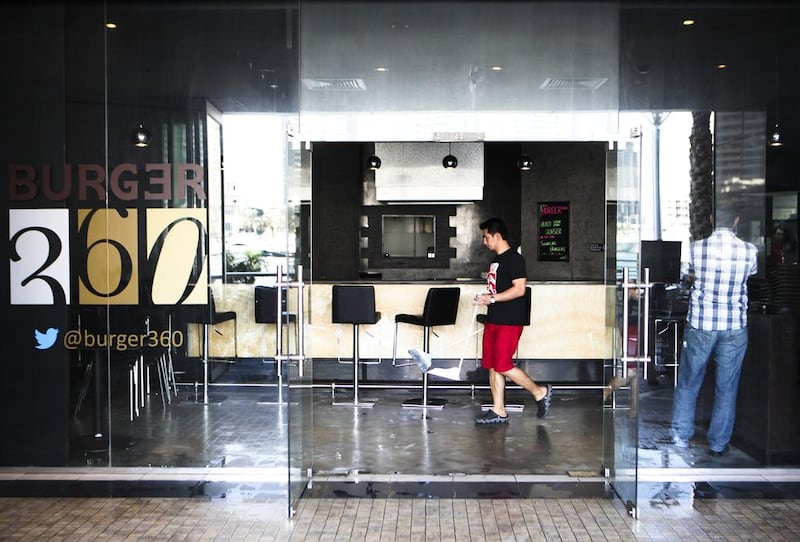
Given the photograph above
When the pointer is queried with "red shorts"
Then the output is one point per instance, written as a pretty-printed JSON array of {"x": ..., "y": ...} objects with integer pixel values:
[{"x": 499, "y": 344}]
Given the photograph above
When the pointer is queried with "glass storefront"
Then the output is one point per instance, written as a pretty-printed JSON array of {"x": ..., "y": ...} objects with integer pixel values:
[{"x": 158, "y": 159}]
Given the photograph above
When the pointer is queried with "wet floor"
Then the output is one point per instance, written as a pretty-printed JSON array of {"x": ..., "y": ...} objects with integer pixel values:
[
  {"x": 247, "y": 427},
  {"x": 390, "y": 450}
]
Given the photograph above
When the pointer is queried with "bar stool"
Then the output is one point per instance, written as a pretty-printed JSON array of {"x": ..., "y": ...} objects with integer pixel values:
[
  {"x": 99, "y": 358},
  {"x": 209, "y": 317},
  {"x": 156, "y": 355},
  {"x": 266, "y": 312},
  {"x": 441, "y": 309},
  {"x": 669, "y": 316},
  {"x": 266, "y": 309},
  {"x": 664, "y": 324},
  {"x": 354, "y": 305}
]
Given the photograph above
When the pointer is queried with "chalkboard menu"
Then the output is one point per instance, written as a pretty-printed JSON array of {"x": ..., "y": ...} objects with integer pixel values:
[{"x": 554, "y": 231}]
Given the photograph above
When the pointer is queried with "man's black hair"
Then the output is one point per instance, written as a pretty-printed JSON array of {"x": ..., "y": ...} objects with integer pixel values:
[
  {"x": 495, "y": 225},
  {"x": 725, "y": 217}
]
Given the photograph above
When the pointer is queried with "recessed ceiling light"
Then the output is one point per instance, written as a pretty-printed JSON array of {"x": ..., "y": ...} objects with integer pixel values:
[
  {"x": 381, "y": 69},
  {"x": 497, "y": 68},
  {"x": 721, "y": 66},
  {"x": 111, "y": 25},
  {"x": 688, "y": 22}
]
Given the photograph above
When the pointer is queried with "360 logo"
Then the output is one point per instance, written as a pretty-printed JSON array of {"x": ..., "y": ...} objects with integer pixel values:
[{"x": 115, "y": 256}]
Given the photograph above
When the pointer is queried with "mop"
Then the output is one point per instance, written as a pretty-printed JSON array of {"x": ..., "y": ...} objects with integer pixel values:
[{"x": 424, "y": 360}]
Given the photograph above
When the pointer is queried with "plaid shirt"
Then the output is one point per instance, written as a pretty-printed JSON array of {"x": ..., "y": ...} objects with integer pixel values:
[{"x": 721, "y": 265}]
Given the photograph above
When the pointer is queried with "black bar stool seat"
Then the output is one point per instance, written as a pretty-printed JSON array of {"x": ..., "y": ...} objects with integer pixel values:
[
  {"x": 354, "y": 305},
  {"x": 266, "y": 308},
  {"x": 441, "y": 309}
]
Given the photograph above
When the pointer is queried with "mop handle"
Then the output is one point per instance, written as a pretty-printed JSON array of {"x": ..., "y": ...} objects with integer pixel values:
[{"x": 470, "y": 334}]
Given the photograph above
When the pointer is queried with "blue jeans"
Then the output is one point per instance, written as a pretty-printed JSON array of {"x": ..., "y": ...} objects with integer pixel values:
[{"x": 728, "y": 348}]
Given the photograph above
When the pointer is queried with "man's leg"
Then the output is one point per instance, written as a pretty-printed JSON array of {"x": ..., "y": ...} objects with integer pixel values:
[
  {"x": 521, "y": 378},
  {"x": 497, "y": 383},
  {"x": 541, "y": 394},
  {"x": 691, "y": 371},
  {"x": 728, "y": 354}
]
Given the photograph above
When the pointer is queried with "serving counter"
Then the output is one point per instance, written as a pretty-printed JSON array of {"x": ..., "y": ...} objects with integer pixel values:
[{"x": 569, "y": 321}]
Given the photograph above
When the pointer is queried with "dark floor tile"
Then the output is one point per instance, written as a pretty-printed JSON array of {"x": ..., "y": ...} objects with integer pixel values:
[
  {"x": 563, "y": 490},
  {"x": 745, "y": 490},
  {"x": 354, "y": 490},
  {"x": 422, "y": 490},
  {"x": 488, "y": 490},
  {"x": 790, "y": 490},
  {"x": 80, "y": 488}
]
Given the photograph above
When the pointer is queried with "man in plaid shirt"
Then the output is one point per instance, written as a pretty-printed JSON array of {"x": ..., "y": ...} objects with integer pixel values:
[{"x": 716, "y": 325}]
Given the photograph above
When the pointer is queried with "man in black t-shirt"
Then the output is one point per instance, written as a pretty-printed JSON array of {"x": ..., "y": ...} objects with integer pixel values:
[{"x": 506, "y": 316}]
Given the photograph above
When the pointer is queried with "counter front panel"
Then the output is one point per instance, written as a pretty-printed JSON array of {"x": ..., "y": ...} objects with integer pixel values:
[{"x": 568, "y": 321}]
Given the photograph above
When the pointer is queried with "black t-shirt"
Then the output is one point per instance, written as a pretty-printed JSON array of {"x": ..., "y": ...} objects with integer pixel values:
[{"x": 503, "y": 270}]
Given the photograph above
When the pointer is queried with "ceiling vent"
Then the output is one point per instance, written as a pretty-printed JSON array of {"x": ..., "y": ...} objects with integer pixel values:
[
  {"x": 570, "y": 83},
  {"x": 334, "y": 84}
]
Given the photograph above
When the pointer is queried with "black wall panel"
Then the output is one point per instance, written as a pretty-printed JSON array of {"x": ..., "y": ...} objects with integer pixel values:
[{"x": 336, "y": 210}]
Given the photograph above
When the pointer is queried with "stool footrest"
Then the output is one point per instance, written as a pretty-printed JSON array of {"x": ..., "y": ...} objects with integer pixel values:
[
  {"x": 437, "y": 404},
  {"x": 360, "y": 362},
  {"x": 222, "y": 360},
  {"x": 360, "y": 404}
]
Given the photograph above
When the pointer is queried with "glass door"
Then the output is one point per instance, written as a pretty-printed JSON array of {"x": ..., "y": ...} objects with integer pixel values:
[
  {"x": 626, "y": 309},
  {"x": 204, "y": 185},
  {"x": 297, "y": 366}
]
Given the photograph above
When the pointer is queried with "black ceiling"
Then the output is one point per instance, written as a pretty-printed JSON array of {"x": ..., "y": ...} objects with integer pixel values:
[{"x": 246, "y": 56}]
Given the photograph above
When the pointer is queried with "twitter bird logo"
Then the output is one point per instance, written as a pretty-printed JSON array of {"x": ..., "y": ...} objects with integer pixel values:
[{"x": 47, "y": 339}]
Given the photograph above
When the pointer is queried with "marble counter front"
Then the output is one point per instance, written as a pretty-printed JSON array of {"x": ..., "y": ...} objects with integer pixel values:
[{"x": 569, "y": 320}]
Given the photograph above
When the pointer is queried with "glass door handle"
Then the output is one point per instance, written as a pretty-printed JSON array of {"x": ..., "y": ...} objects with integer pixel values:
[
  {"x": 638, "y": 288},
  {"x": 299, "y": 286}
]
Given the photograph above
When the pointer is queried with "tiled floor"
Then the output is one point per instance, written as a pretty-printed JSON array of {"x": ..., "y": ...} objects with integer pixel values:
[{"x": 590, "y": 519}]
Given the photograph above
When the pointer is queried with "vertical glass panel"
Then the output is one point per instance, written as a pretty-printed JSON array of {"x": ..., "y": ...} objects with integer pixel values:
[
  {"x": 195, "y": 216},
  {"x": 299, "y": 368},
  {"x": 621, "y": 413}
]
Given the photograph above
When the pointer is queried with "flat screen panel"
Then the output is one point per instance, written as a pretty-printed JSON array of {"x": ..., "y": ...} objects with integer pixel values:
[
  {"x": 409, "y": 236},
  {"x": 663, "y": 258}
]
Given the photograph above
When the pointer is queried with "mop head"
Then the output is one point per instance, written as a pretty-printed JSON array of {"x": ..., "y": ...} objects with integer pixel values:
[
  {"x": 422, "y": 359},
  {"x": 450, "y": 373}
]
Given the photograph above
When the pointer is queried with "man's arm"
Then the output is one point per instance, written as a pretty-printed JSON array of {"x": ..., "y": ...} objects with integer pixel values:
[{"x": 517, "y": 290}]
